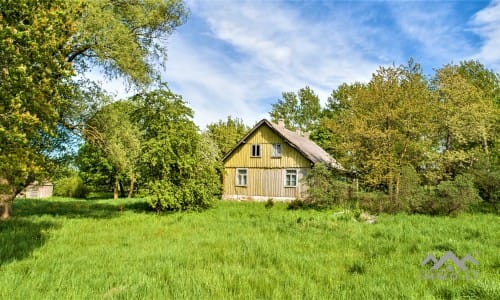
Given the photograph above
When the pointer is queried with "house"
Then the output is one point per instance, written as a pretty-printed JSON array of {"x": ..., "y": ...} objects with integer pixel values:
[{"x": 269, "y": 162}]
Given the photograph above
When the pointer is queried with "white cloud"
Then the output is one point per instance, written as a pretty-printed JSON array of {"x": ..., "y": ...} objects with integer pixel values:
[
  {"x": 275, "y": 50},
  {"x": 486, "y": 23}
]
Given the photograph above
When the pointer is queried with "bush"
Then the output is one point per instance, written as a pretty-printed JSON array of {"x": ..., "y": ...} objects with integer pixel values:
[
  {"x": 375, "y": 202},
  {"x": 449, "y": 197},
  {"x": 189, "y": 195},
  {"x": 269, "y": 203},
  {"x": 72, "y": 186},
  {"x": 324, "y": 190}
]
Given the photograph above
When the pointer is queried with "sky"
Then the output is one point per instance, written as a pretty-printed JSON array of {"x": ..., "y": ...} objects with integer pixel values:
[{"x": 236, "y": 57}]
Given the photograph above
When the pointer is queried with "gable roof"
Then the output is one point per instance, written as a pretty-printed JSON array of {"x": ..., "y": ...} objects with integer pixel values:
[{"x": 309, "y": 149}]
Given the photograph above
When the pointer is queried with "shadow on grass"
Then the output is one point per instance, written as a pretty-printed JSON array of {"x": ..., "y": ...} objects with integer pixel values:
[
  {"x": 19, "y": 237},
  {"x": 72, "y": 208}
]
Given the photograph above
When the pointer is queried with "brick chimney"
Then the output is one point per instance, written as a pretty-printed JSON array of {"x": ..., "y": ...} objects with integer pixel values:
[{"x": 281, "y": 123}]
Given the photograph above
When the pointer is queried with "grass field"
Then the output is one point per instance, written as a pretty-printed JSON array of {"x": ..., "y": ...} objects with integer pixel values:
[{"x": 76, "y": 249}]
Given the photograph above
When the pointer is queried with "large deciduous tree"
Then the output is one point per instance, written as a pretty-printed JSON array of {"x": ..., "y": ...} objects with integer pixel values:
[
  {"x": 34, "y": 76},
  {"x": 300, "y": 111},
  {"x": 226, "y": 133},
  {"x": 125, "y": 38},
  {"x": 179, "y": 167},
  {"x": 116, "y": 139},
  {"x": 43, "y": 42},
  {"x": 467, "y": 104},
  {"x": 383, "y": 126}
]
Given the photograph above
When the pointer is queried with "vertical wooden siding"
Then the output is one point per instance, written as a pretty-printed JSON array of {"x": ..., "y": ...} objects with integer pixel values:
[
  {"x": 264, "y": 182},
  {"x": 266, "y": 174},
  {"x": 264, "y": 136}
]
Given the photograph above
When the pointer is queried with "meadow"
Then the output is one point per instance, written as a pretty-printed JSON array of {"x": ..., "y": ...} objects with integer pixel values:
[{"x": 103, "y": 249}]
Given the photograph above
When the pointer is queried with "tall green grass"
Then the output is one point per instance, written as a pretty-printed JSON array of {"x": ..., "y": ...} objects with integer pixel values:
[{"x": 76, "y": 249}]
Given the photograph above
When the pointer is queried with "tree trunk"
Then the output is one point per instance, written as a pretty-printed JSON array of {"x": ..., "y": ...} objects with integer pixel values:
[
  {"x": 6, "y": 206},
  {"x": 115, "y": 189},
  {"x": 122, "y": 189},
  {"x": 131, "y": 188}
]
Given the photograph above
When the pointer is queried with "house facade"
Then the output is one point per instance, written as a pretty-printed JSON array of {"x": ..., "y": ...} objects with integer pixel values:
[{"x": 270, "y": 162}]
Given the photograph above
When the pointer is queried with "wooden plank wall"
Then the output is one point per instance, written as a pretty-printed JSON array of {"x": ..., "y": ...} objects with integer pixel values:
[
  {"x": 266, "y": 174},
  {"x": 264, "y": 182}
]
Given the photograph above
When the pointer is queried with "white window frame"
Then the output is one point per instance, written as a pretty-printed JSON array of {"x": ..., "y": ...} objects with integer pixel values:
[
  {"x": 274, "y": 150},
  {"x": 258, "y": 149},
  {"x": 291, "y": 172},
  {"x": 239, "y": 180}
]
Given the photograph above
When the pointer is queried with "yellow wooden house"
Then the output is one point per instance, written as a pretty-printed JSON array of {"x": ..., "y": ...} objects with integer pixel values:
[{"x": 269, "y": 162}]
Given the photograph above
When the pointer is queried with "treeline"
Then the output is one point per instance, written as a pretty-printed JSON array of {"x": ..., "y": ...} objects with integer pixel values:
[
  {"x": 410, "y": 142},
  {"x": 147, "y": 145}
]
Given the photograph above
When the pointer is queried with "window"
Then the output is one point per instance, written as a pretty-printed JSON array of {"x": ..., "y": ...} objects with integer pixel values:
[
  {"x": 241, "y": 177},
  {"x": 291, "y": 178},
  {"x": 255, "y": 150},
  {"x": 276, "y": 150}
]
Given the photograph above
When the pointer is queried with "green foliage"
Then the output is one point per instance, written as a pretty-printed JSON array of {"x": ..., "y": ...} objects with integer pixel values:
[
  {"x": 300, "y": 110},
  {"x": 111, "y": 152},
  {"x": 324, "y": 190},
  {"x": 72, "y": 186},
  {"x": 448, "y": 197},
  {"x": 269, "y": 203},
  {"x": 125, "y": 38},
  {"x": 34, "y": 78},
  {"x": 178, "y": 166},
  {"x": 402, "y": 131},
  {"x": 486, "y": 174},
  {"x": 227, "y": 133},
  {"x": 375, "y": 202}
]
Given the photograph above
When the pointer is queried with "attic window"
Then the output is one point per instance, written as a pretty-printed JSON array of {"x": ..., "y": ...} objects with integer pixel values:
[
  {"x": 276, "y": 150},
  {"x": 255, "y": 150},
  {"x": 291, "y": 178}
]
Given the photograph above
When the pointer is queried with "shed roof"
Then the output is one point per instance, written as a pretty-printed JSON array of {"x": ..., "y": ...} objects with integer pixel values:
[{"x": 309, "y": 149}]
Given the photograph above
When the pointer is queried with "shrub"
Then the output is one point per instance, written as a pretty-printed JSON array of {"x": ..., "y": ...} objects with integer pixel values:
[
  {"x": 72, "y": 186},
  {"x": 189, "y": 195},
  {"x": 449, "y": 197},
  {"x": 269, "y": 203},
  {"x": 324, "y": 190},
  {"x": 375, "y": 202},
  {"x": 297, "y": 204}
]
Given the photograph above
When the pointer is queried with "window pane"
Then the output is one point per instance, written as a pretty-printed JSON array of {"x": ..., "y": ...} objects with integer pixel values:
[
  {"x": 276, "y": 150},
  {"x": 291, "y": 178},
  {"x": 241, "y": 177},
  {"x": 255, "y": 150}
]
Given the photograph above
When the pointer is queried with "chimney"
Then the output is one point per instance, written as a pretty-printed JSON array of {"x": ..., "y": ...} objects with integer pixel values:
[
  {"x": 307, "y": 134},
  {"x": 281, "y": 123}
]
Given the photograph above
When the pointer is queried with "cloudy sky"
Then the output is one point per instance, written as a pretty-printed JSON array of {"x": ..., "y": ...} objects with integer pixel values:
[{"x": 236, "y": 57}]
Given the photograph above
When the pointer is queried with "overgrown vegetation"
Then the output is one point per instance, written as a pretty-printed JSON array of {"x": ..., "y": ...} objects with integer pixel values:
[
  {"x": 411, "y": 143},
  {"x": 72, "y": 186},
  {"x": 121, "y": 249}
]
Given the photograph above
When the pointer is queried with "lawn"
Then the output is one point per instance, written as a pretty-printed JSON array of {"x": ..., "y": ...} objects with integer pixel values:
[{"x": 104, "y": 249}]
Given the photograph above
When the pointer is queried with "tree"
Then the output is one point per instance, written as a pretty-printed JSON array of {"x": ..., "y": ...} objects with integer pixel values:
[
  {"x": 117, "y": 139},
  {"x": 43, "y": 41},
  {"x": 34, "y": 76},
  {"x": 125, "y": 38},
  {"x": 301, "y": 111},
  {"x": 467, "y": 98},
  {"x": 383, "y": 126},
  {"x": 226, "y": 133},
  {"x": 179, "y": 168}
]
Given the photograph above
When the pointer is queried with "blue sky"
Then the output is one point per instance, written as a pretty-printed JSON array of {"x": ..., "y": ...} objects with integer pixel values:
[{"x": 236, "y": 57}]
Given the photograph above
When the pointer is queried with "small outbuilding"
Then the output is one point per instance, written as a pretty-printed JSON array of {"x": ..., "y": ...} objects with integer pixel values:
[{"x": 39, "y": 190}]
